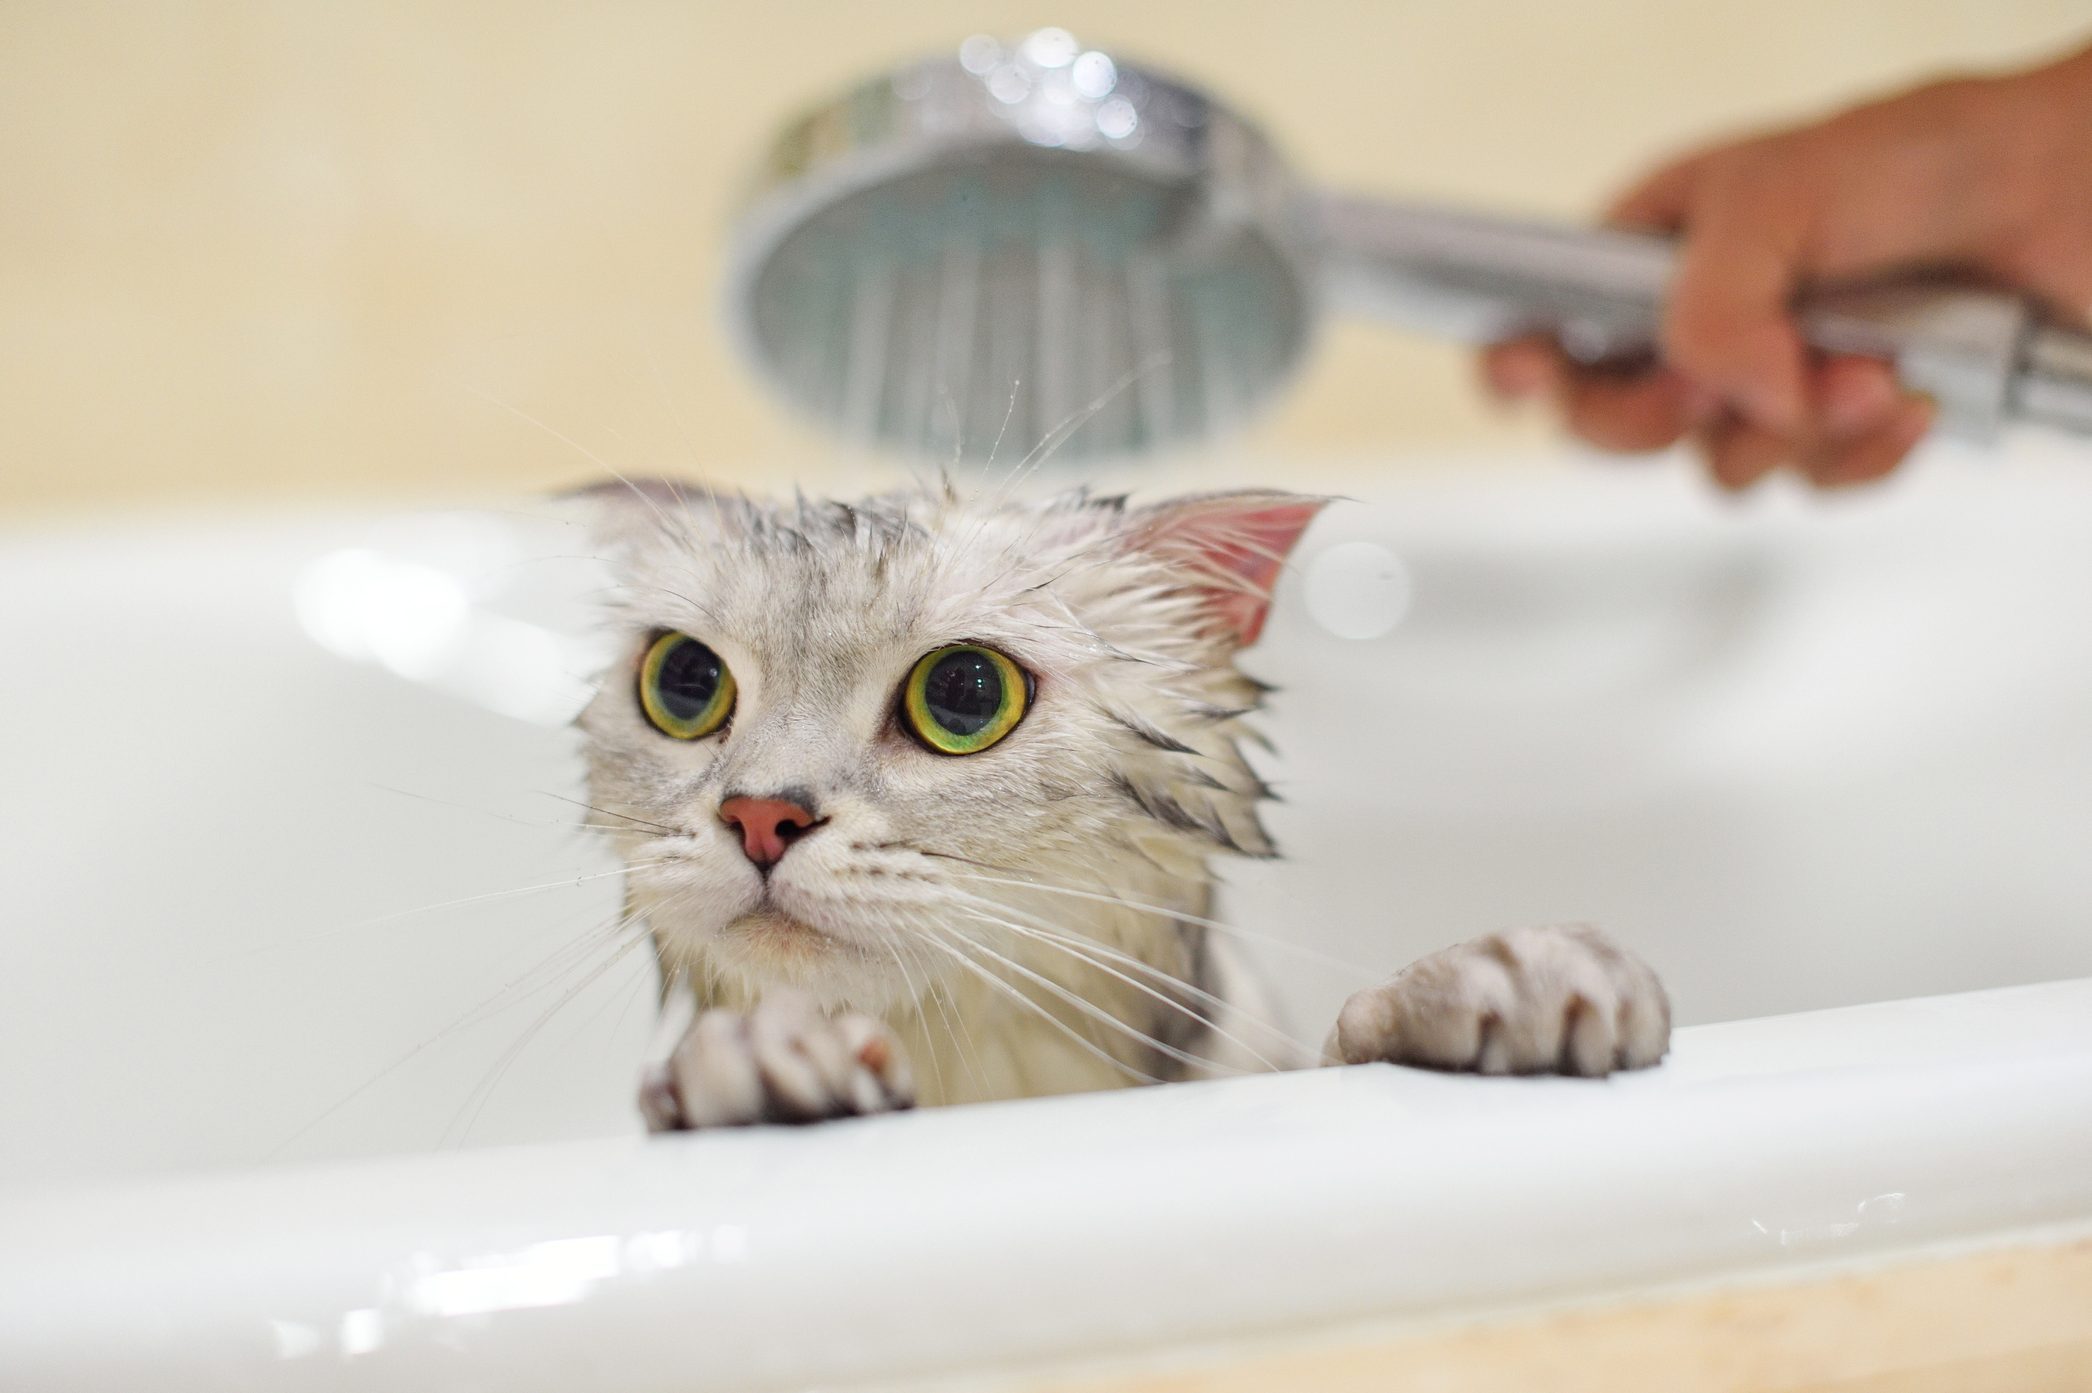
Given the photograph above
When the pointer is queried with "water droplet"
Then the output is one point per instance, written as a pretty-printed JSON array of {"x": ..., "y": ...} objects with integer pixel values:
[
  {"x": 1094, "y": 75},
  {"x": 979, "y": 55},
  {"x": 1051, "y": 48},
  {"x": 1358, "y": 590},
  {"x": 1009, "y": 84},
  {"x": 1116, "y": 119}
]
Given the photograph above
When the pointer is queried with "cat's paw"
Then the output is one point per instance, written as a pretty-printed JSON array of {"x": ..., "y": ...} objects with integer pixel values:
[
  {"x": 1563, "y": 999},
  {"x": 783, "y": 1061}
]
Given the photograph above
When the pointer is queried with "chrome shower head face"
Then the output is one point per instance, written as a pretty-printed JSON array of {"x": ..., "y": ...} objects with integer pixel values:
[{"x": 1021, "y": 245}]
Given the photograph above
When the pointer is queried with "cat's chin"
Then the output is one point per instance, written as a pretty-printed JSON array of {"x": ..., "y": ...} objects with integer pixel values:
[
  {"x": 771, "y": 948},
  {"x": 771, "y": 933}
]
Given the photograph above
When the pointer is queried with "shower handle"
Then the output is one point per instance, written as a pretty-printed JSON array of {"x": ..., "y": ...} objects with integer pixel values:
[{"x": 1986, "y": 357}]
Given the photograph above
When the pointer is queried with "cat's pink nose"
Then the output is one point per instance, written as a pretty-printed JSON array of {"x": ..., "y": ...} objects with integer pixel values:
[{"x": 768, "y": 826}]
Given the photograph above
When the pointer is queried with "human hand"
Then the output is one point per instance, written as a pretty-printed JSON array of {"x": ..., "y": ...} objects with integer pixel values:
[{"x": 1989, "y": 176}]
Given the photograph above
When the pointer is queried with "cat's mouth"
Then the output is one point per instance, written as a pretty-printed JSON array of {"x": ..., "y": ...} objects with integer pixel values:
[{"x": 770, "y": 930}]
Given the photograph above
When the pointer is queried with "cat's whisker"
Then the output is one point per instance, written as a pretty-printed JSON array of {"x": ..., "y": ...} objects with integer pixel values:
[
  {"x": 524, "y": 416},
  {"x": 1057, "y": 436},
  {"x": 1060, "y": 434},
  {"x": 613, "y": 812},
  {"x": 963, "y": 1043},
  {"x": 996, "y": 983},
  {"x": 956, "y": 1027},
  {"x": 893, "y": 951},
  {"x": 625, "y": 996},
  {"x": 1098, "y": 954},
  {"x": 476, "y": 1100},
  {"x": 493, "y": 895},
  {"x": 668, "y": 400},
  {"x": 1352, "y": 970},
  {"x": 696, "y": 605},
  {"x": 377, "y": 921},
  {"x": 1001, "y": 495},
  {"x": 510, "y": 817},
  {"x": 1008, "y": 412},
  {"x": 480, "y": 1011},
  {"x": 552, "y": 967},
  {"x": 462, "y": 807},
  {"x": 1070, "y": 947},
  {"x": 904, "y": 937},
  {"x": 1093, "y": 1010},
  {"x": 639, "y": 982}
]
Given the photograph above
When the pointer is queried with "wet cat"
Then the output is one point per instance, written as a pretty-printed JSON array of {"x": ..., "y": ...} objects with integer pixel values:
[{"x": 919, "y": 795}]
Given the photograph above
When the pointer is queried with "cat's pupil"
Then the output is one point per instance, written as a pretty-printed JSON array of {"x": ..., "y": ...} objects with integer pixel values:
[
  {"x": 690, "y": 676},
  {"x": 963, "y": 692}
]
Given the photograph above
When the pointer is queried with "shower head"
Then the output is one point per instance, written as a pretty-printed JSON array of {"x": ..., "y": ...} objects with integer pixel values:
[
  {"x": 1034, "y": 244},
  {"x": 1022, "y": 241}
]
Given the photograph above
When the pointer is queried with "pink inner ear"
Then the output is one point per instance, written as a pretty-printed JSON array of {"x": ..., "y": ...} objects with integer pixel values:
[{"x": 1244, "y": 540}]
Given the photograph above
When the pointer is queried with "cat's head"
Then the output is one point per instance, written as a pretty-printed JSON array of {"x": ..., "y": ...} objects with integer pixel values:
[{"x": 845, "y": 739}]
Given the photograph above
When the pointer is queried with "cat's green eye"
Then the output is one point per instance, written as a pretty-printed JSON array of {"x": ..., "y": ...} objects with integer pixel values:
[
  {"x": 962, "y": 699},
  {"x": 684, "y": 688}
]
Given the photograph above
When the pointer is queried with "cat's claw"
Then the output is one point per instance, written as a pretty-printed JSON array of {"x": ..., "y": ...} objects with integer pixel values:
[
  {"x": 783, "y": 1061},
  {"x": 1563, "y": 999}
]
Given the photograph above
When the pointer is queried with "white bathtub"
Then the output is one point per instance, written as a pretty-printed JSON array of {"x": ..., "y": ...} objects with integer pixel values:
[{"x": 1804, "y": 755}]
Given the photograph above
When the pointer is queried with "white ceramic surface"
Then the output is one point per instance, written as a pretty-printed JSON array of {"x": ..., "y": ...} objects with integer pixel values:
[
  {"x": 985, "y": 1238},
  {"x": 283, "y": 883}
]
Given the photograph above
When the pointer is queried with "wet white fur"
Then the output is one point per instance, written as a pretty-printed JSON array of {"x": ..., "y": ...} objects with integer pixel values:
[{"x": 927, "y": 862}]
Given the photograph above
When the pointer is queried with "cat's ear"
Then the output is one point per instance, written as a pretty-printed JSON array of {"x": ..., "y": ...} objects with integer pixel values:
[
  {"x": 624, "y": 511},
  {"x": 1232, "y": 544}
]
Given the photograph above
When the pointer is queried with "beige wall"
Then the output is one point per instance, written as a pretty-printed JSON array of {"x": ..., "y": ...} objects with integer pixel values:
[{"x": 295, "y": 247}]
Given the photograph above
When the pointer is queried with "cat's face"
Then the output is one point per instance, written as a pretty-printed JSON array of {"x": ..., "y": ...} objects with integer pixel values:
[{"x": 801, "y": 811}]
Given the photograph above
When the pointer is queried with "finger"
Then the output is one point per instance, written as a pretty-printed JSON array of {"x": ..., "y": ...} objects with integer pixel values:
[
  {"x": 1739, "y": 454},
  {"x": 2055, "y": 271},
  {"x": 1644, "y": 412},
  {"x": 1613, "y": 410},
  {"x": 1726, "y": 323},
  {"x": 1876, "y": 454},
  {"x": 1522, "y": 369},
  {"x": 1853, "y": 397},
  {"x": 1661, "y": 199}
]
